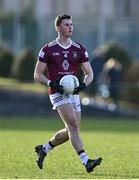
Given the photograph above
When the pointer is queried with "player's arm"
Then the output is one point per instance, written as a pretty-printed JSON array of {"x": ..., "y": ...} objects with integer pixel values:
[
  {"x": 40, "y": 77},
  {"x": 87, "y": 69},
  {"x": 39, "y": 73},
  {"x": 88, "y": 72}
]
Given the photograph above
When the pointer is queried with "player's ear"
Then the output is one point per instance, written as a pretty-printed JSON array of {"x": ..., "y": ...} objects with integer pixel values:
[{"x": 57, "y": 28}]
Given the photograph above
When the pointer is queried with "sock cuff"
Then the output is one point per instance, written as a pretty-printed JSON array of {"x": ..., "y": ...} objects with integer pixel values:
[
  {"x": 51, "y": 144},
  {"x": 81, "y": 151}
]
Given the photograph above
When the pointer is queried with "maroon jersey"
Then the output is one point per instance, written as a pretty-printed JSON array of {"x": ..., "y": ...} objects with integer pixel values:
[{"x": 62, "y": 60}]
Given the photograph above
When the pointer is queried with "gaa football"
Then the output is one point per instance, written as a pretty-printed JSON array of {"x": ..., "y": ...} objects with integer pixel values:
[{"x": 69, "y": 82}]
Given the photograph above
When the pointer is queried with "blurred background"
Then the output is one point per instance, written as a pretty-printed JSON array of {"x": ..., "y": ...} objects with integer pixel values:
[{"x": 109, "y": 29}]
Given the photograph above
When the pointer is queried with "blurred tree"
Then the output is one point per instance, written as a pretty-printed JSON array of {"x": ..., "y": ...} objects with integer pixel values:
[
  {"x": 132, "y": 73},
  {"x": 131, "y": 79},
  {"x": 116, "y": 51},
  {"x": 6, "y": 26},
  {"x": 6, "y": 61},
  {"x": 23, "y": 66},
  {"x": 29, "y": 25}
]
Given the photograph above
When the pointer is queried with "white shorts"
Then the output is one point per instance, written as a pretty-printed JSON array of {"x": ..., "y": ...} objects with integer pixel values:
[{"x": 57, "y": 99}]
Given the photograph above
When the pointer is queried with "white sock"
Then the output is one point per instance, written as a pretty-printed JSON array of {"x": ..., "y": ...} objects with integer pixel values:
[
  {"x": 47, "y": 147},
  {"x": 84, "y": 157}
]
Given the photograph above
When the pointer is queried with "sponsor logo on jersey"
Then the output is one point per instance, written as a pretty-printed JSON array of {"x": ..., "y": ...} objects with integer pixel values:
[
  {"x": 65, "y": 73},
  {"x": 56, "y": 53}
]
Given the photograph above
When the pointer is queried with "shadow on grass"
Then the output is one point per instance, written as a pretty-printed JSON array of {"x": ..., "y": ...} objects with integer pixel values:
[{"x": 87, "y": 124}]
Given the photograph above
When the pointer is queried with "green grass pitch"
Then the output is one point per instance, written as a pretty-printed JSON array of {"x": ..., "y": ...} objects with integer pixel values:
[{"x": 116, "y": 141}]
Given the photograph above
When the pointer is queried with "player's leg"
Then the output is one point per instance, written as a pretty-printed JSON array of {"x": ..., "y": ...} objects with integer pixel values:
[
  {"x": 69, "y": 116},
  {"x": 84, "y": 157},
  {"x": 42, "y": 150},
  {"x": 78, "y": 117},
  {"x": 88, "y": 163},
  {"x": 63, "y": 135},
  {"x": 60, "y": 137}
]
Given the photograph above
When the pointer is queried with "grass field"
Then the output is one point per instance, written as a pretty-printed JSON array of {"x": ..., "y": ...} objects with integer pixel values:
[
  {"x": 13, "y": 84},
  {"x": 116, "y": 141}
]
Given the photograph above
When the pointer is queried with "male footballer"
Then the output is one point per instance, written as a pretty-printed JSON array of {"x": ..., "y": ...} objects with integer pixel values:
[{"x": 60, "y": 57}]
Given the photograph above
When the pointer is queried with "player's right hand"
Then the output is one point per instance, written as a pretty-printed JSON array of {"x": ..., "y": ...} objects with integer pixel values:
[{"x": 55, "y": 84}]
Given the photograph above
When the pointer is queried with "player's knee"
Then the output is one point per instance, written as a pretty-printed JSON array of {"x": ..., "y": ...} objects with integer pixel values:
[{"x": 73, "y": 125}]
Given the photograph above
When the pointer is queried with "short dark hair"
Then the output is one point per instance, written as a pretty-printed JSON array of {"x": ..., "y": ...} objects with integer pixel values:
[{"x": 59, "y": 18}]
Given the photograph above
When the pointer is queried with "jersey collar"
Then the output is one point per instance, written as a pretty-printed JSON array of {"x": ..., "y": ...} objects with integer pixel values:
[{"x": 65, "y": 47}]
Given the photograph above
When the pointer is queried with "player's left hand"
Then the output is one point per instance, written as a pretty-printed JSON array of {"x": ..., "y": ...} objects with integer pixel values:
[
  {"x": 81, "y": 87},
  {"x": 55, "y": 84}
]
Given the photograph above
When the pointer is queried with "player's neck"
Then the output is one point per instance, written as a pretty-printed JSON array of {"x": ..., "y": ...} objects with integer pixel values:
[{"x": 64, "y": 41}]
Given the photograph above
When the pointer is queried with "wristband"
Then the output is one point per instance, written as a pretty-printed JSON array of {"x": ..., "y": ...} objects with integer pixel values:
[{"x": 48, "y": 82}]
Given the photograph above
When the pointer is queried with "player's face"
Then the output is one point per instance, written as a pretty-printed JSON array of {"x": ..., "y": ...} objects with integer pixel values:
[{"x": 66, "y": 28}]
